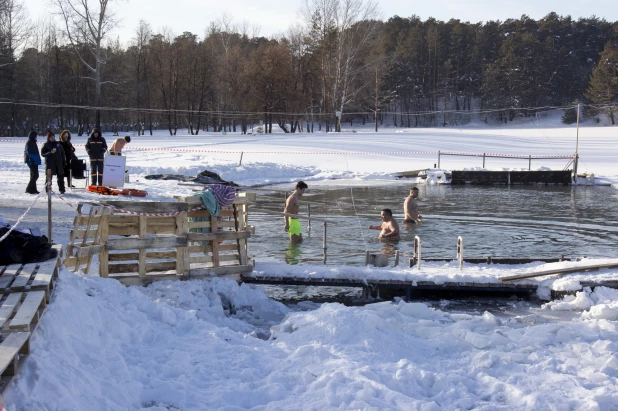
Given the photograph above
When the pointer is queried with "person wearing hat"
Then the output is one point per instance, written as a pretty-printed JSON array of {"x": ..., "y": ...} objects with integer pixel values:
[
  {"x": 69, "y": 154},
  {"x": 54, "y": 159},
  {"x": 118, "y": 145},
  {"x": 96, "y": 146},
  {"x": 33, "y": 159}
]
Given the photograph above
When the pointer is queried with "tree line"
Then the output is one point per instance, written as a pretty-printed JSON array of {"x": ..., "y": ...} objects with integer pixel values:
[{"x": 342, "y": 65}]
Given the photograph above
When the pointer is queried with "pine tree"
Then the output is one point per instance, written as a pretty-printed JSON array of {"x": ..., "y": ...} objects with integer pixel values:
[{"x": 603, "y": 87}]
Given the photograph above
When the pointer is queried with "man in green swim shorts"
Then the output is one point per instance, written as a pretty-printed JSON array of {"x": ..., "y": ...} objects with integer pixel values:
[{"x": 292, "y": 205}]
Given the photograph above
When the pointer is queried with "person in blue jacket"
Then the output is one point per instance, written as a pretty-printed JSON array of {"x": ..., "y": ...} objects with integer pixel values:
[{"x": 33, "y": 159}]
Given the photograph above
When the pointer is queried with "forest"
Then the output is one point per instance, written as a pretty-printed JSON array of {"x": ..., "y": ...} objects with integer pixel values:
[{"x": 342, "y": 65}]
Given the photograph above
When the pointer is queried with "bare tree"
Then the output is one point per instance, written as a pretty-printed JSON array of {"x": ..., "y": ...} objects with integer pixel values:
[
  {"x": 86, "y": 24},
  {"x": 14, "y": 30},
  {"x": 341, "y": 30}
]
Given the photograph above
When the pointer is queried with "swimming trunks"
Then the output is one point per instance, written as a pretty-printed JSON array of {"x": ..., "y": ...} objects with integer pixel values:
[{"x": 294, "y": 226}]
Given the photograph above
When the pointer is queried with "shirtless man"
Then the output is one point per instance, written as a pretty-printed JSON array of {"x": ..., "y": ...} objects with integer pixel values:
[
  {"x": 292, "y": 205},
  {"x": 389, "y": 229},
  {"x": 410, "y": 208}
]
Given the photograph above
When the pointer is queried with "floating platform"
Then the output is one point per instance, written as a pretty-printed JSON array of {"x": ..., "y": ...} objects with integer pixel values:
[
  {"x": 487, "y": 177},
  {"x": 387, "y": 289},
  {"x": 512, "y": 177}
]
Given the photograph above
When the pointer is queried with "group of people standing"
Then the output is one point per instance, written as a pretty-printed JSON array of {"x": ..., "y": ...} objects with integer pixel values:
[
  {"x": 389, "y": 229},
  {"x": 59, "y": 154}
]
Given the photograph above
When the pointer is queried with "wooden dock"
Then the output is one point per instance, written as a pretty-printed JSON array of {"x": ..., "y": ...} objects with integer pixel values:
[
  {"x": 405, "y": 288},
  {"x": 25, "y": 291}
]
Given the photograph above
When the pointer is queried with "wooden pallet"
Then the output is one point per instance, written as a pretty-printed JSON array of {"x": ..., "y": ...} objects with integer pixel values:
[
  {"x": 14, "y": 351},
  {"x": 30, "y": 277}
]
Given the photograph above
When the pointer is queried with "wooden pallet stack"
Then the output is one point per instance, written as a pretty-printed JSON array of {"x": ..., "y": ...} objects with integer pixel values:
[
  {"x": 25, "y": 291},
  {"x": 141, "y": 242}
]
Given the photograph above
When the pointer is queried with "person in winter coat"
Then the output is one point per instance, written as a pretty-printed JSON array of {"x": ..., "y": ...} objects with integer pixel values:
[
  {"x": 96, "y": 146},
  {"x": 33, "y": 159},
  {"x": 54, "y": 159},
  {"x": 69, "y": 154}
]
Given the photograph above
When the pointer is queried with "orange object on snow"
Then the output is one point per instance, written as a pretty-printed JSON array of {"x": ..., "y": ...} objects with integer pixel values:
[
  {"x": 103, "y": 190},
  {"x": 134, "y": 192}
]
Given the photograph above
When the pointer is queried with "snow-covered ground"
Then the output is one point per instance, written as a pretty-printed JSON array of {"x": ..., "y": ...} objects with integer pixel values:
[{"x": 219, "y": 345}]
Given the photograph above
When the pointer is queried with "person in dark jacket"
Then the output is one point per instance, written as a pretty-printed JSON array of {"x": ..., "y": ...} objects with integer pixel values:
[
  {"x": 54, "y": 159},
  {"x": 96, "y": 146},
  {"x": 69, "y": 154},
  {"x": 33, "y": 159}
]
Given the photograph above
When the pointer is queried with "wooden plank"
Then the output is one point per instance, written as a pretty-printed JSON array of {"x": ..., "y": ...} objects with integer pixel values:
[
  {"x": 150, "y": 255},
  {"x": 161, "y": 229},
  {"x": 44, "y": 279},
  {"x": 9, "y": 274},
  {"x": 214, "y": 223},
  {"x": 208, "y": 259},
  {"x": 103, "y": 238},
  {"x": 129, "y": 280},
  {"x": 234, "y": 269},
  {"x": 81, "y": 252},
  {"x": 151, "y": 242},
  {"x": 27, "y": 316},
  {"x": 147, "y": 206},
  {"x": 141, "y": 254},
  {"x": 558, "y": 271},
  {"x": 149, "y": 267},
  {"x": 224, "y": 235},
  {"x": 182, "y": 253},
  {"x": 9, "y": 306},
  {"x": 241, "y": 244},
  {"x": 122, "y": 220},
  {"x": 14, "y": 344},
  {"x": 22, "y": 280},
  {"x": 197, "y": 201}
]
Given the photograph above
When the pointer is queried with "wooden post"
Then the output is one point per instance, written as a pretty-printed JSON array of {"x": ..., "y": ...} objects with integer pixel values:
[
  {"x": 214, "y": 243},
  {"x": 366, "y": 258},
  {"x": 396, "y": 258},
  {"x": 182, "y": 253},
  {"x": 324, "y": 243},
  {"x": 104, "y": 235},
  {"x": 142, "y": 230},
  {"x": 240, "y": 162},
  {"x": 483, "y": 160},
  {"x": 438, "y": 159},
  {"x": 460, "y": 252},
  {"x": 309, "y": 216},
  {"x": 417, "y": 251},
  {"x": 530, "y": 162},
  {"x": 48, "y": 175}
]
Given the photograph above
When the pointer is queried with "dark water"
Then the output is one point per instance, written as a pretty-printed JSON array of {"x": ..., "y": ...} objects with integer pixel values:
[{"x": 521, "y": 221}]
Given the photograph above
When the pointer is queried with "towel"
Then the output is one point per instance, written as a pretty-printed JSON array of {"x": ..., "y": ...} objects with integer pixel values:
[{"x": 225, "y": 195}]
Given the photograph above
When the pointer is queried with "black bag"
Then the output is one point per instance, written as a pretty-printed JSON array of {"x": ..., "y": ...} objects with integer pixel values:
[
  {"x": 21, "y": 248},
  {"x": 77, "y": 168}
]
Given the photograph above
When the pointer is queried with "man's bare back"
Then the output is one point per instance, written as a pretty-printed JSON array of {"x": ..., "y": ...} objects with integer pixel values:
[{"x": 292, "y": 206}]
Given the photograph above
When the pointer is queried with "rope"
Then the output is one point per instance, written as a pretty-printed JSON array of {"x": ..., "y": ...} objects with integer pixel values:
[{"x": 20, "y": 218}]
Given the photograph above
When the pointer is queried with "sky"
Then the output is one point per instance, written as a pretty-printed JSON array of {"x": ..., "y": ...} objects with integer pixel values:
[{"x": 272, "y": 17}]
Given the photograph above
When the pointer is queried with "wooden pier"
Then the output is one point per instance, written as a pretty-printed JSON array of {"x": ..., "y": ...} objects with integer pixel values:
[
  {"x": 25, "y": 291},
  {"x": 404, "y": 288}
]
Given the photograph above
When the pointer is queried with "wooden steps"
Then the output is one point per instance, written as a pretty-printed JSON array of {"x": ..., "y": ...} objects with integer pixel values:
[{"x": 25, "y": 291}]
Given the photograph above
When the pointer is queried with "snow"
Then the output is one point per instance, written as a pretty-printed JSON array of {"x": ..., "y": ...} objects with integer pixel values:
[{"x": 214, "y": 344}]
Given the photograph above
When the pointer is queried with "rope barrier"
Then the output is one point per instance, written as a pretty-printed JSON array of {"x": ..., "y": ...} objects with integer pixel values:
[
  {"x": 20, "y": 218},
  {"x": 345, "y": 153}
]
